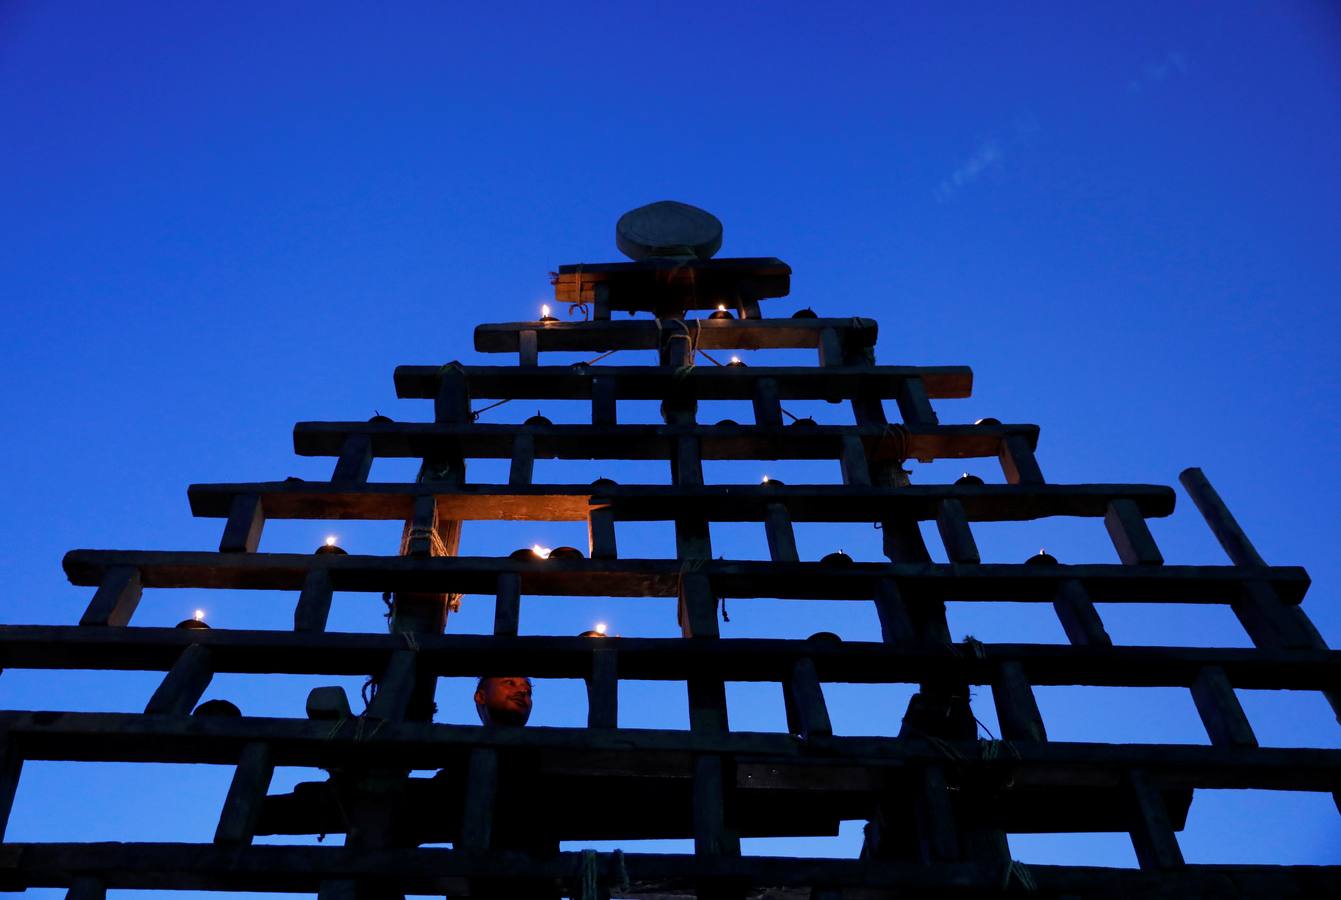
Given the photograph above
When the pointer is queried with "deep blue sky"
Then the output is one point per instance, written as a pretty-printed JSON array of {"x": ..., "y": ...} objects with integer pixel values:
[{"x": 219, "y": 220}]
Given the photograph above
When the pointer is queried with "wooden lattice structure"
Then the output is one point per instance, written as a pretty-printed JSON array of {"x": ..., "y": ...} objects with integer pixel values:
[{"x": 939, "y": 801}]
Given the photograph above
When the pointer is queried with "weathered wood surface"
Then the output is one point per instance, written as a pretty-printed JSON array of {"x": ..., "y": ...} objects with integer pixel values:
[
  {"x": 750, "y": 334},
  {"x": 731, "y": 659},
  {"x": 661, "y": 577},
  {"x": 644, "y": 285},
  {"x": 724, "y": 503},
  {"x": 183, "y": 866},
  {"x": 110, "y": 737},
  {"x": 702, "y": 382},
  {"x": 423, "y": 440}
]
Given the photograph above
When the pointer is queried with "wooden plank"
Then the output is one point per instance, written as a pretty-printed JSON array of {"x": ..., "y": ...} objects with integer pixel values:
[
  {"x": 853, "y": 464},
  {"x": 1018, "y": 463},
  {"x": 713, "y": 836},
  {"x": 118, "y": 595},
  {"x": 1220, "y": 710},
  {"x": 86, "y": 889},
  {"x": 314, "y": 603},
  {"x": 507, "y": 606},
  {"x": 814, "y": 503},
  {"x": 603, "y": 690},
  {"x": 481, "y": 790},
  {"x": 246, "y": 795},
  {"x": 665, "y": 286},
  {"x": 355, "y": 460},
  {"x": 1016, "y": 710},
  {"x": 1131, "y": 536},
  {"x": 914, "y": 405},
  {"x": 660, "y": 577},
  {"x": 181, "y": 688},
  {"x": 451, "y": 394},
  {"x": 750, "y": 334},
  {"x": 803, "y": 687},
  {"x": 523, "y": 460},
  {"x": 395, "y": 686},
  {"x": 896, "y": 625},
  {"x": 767, "y": 403},
  {"x": 601, "y": 533},
  {"x": 952, "y": 522},
  {"x": 604, "y": 409},
  {"x": 242, "y": 532},
  {"x": 781, "y": 536},
  {"x": 936, "y": 831},
  {"x": 1080, "y": 620},
  {"x": 1152, "y": 836},
  {"x": 11, "y": 767},
  {"x": 1223, "y": 525},
  {"x": 698, "y": 607},
  {"x": 528, "y": 348}
]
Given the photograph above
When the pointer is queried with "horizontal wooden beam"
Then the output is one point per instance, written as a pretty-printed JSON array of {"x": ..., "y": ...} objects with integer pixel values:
[
  {"x": 701, "y": 382},
  {"x": 728, "y": 659},
  {"x": 719, "y": 503},
  {"x": 709, "y": 334},
  {"x": 433, "y": 870},
  {"x": 114, "y": 737},
  {"x": 698, "y": 283},
  {"x": 480, "y": 441},
  {"x": 661, "y": 577}
]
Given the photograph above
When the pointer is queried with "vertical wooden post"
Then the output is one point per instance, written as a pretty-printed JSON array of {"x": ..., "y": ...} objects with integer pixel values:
[
  {"x": 355, "y": 460},
  {"x": 528, "y": 349},
  {"x": 807, "y": 698},
  {"x": 423, "y": 526},
  {"x": 896, "y": 624},
  {"x": 698, "y": 607},
  {"x": 523, "y": 460},
  {"x": 1220, "y": 710},
  {"x": 181, "y": 688},
  {"x": 853, "y": 462},
  {"x": 477, "y": 817},
  {"x": 601, "y": 304},
  {"x": 914, "y": 405},
  {"x": 953, "y": 524},
  {"x": 830, "y": 348},
  {"x": 675, "y": 350},
  {"x": 242, "y": 532},
  {"x": 452, "y": 405},
  {"x": 781, "y": 536},
  {"x": 1080, "y": 620},
  {"x": 604, "y": 409},
  {"x": 1131, "y": 535},
  {"x": 115, "y": 600},
  {"x": 507, "y": 606},
  {"x": 1152, "y": 835},
  {"x": 1017, "y": 461},
  {"x": 687, "y": 464},
  {"x": 903, "y": 542},
  {"x": 314, "y": 603},
  {"x": 601, "y": 532},
  {"x": 713, "y": 836},
  {"x": 868, "y": 409},
  {"x": 934, "y": 814},
  {"x": 11, "y": 766},
  {"x": 767, "y": 406},
  {"x": 1016, "y": 709},
  {"x": 747, "y": 299},
  {"x": 603, "y": 690},
  {"x": 395, "y": 687},
  {"x": 246, "y": 796}
]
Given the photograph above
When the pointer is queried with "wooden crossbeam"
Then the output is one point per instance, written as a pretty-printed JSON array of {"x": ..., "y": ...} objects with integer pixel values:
[
  {"x": 112, "y": 737},
  {"x": 661, "y": 577},
  {"x": 425, "y": 440},
  {"x": 731, "y": 659},
  {"x": 750, "y": 334},
  {"x": 697, "y": 283},
  {"x": 702, "y": 382}
]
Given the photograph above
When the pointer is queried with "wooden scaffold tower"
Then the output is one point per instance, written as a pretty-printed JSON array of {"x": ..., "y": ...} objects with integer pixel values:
[{"x": 938, "y": 800}]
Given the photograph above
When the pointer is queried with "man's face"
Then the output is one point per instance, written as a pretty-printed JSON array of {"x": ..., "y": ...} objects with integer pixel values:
[{"x": 504, "y": 701}]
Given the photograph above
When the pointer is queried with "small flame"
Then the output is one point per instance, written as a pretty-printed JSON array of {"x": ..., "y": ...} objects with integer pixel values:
[
  {"x": 1042, "y": 551},
  {"x": 764, "y": 480},
  {"x": 330, "y": 541},
  {"x": 735, "y": 359},
  {"x": 600, "y": 628},
  {"x": 721, "y": 307},
  {"x": 200, "y": 615},
  {"x": 542, "y": 552},
  {"x": 544, "y": 310}
]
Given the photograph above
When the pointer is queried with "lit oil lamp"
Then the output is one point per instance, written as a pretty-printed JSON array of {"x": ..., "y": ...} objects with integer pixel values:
[
  {"x": 331, "y": 547},
  {"x": 1041, "y": 558},
  {"x": 837, "y": 558},
  {"x": 735, "y": 363},
  {"x": 597, "y": 631},
  {"x": 544, "y": 314},
  {"x": 721, "y": 312},
  {"x": 196, "y": 621},
  {"x": 967, "y": 478}
]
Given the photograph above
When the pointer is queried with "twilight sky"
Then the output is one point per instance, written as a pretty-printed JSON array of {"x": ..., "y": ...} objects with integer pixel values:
[{"x": 222, "y": 219}]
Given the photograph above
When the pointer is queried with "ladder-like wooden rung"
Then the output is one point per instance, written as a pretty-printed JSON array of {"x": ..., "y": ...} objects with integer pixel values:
[
  {"x": 246, "y": 795},
  {"x": 185, "y": 682},
  {"x": 1131, "y": 535},
  {"x": 1220, "y": 710},
  {"x": 710, "y": 334},
  {"x": 118, "y": 594}
]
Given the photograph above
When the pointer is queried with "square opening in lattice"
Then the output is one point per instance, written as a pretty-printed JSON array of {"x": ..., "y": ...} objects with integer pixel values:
[
  {"x": 500, "y": 538},
  {"x": 1254, "y": 827},
  {"x": 861, "y": 541},
  {"x": 1291, "y": 718},
  {"x": 77, "y": 690},
  {"x": 219, "y": 607},
  {"x": 1173, "y": 625},
  {"x": 867, "y": 709},
  {"x": 645, "y": 540},
  {"x": 756, "y": 706},
  {"x": 455, "y": 699},
  {"x": 846, "y": 844},
  {"x": 1136, "y": 715},
  {"x": 629, "y": 617},
  {"x": 739, "y": 541},
  {"x": 391, "y": 469},
  {"x": 355, "y": 536},
  {"x": 998, "y": 622},
  {"x": 638, "y": 412},
  {"x": 517, "y": 411},
  {"x": 135, "y": 802},
  {"x": 1071, "y": 540},
  {"x": 791, "y": 472},
  {"x": 487, "y": 471},
  {"x": 582, "y": 472},
  {"x": 1108, "y": 849},
  {"x": 558, "y": 702},
  {"x": 725, "y": 412},
  {"x": 765, "y": 617},
  {"x": 660, "y": 705}
]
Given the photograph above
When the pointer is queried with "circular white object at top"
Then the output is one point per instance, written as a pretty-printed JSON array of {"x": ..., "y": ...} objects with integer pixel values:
[{"x": 668, "y": 228}]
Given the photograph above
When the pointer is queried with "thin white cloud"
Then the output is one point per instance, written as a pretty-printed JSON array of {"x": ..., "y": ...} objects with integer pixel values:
[
  {"x": 988, "y": 156},
  {"x": 1157, "y": 71}
]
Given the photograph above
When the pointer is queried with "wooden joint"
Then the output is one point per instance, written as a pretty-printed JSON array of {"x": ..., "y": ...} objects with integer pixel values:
[
  {"x": 423, "y": 527},
  {"x": 1018, "y": 462},
  {"x": 242, "y": 531},
  {"x": 184, "y": 683},
  {"x": 1220, "y": 710},
  {"x": 1131, "y": 535},
  {"x": 246, "y": 795},
  {"x": 116, "y": 598}
]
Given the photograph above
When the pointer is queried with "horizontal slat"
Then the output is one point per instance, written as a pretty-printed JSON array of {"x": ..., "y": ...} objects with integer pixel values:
[
  {"x": 661, "y": 577},
  {"x": 433, "y": 870},
  {"x": 719, "y": 503},
  {"x": 697, "y": 283},
  {"x": 701, "y": 382},
  {"x": 421, "y": 439},
  {"x": 113, "y": 737},
  {"x": 730, "y": 659},
  {"x": 709, "y": 334}
]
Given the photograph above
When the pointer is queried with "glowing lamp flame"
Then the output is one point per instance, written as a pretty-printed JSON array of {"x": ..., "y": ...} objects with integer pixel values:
[
  {"x": 542, "y": 552},
  {"x": 600, "y": 628},
  {"x": 735, "y": 359},
  {"x": 721, "y": 307},
  {"x": 544, "y": 310},
  {"x": 330, "y": 541},
  {"x": 200, "y": 615},
  {"x": 764, "y": 480}
]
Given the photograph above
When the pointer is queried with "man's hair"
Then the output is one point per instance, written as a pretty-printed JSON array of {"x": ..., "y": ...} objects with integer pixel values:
[{"x": 479, "y": 685}]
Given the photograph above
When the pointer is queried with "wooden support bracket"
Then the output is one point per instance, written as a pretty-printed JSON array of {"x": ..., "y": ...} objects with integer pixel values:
[
  {"x": 314, "y": 603},
  {"x": 180, "y": 690},
  {"x": 355, "y": 460},
  {"x": 1131, "y": 535},
  {"x": 242, "y": 531},
  {"x": 246, "y": 796},
  {"x": 1220, "y": 710},
  {"x": 116, "y": 598},
  {"x": 781, "y": 536},
  {"x": 1018, "y": 463}
]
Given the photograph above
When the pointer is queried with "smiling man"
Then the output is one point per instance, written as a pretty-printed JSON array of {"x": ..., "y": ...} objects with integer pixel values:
[{"x": 503, "y": 700}]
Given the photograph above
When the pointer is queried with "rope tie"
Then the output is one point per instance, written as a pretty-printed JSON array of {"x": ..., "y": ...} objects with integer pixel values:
[
  {"x": 901, "y": 437},
  {"x": 1017, "y": 872}
]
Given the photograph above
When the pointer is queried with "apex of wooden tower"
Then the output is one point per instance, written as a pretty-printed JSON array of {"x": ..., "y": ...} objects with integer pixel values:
[{"x": 668, "y": 228}]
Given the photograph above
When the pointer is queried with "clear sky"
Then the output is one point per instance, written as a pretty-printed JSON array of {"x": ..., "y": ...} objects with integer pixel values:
[{"x": 219, "y": 219}]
